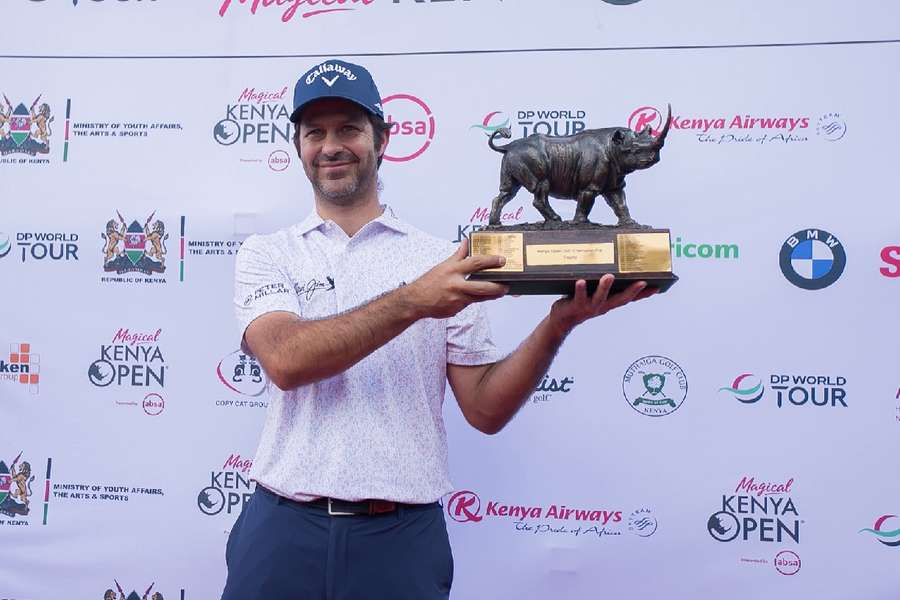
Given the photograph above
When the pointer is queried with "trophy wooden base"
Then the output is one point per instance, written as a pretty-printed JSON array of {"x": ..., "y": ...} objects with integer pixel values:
[{"x": 550, "y": 261}]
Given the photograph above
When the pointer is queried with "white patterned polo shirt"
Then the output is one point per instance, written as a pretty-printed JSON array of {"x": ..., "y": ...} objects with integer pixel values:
[{"x": 376, "y": 430}]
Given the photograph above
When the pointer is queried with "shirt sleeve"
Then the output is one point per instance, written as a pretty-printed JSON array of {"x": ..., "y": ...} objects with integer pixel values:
[
  {"x": 260, "y": 285},
  {"x": 469, "y": 338}
]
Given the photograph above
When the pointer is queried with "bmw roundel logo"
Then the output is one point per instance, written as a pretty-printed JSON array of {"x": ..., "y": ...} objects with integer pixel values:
[{"x": 812, "y": 259}]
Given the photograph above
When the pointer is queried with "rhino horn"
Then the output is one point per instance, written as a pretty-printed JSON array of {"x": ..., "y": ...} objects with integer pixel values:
[{"x": 665, "y": 130}]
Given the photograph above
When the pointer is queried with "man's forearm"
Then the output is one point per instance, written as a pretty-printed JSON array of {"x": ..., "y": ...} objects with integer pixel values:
[
  {"x": 509, "y": 383},
  {"x": 304, "y": 352}
]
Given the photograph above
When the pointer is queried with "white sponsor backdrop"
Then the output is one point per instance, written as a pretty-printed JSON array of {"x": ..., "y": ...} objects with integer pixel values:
[{"x": 643, "y": 488}]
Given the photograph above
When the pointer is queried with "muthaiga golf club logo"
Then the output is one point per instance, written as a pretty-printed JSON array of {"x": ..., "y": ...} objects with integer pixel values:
[{"x": 655, "y": 386}]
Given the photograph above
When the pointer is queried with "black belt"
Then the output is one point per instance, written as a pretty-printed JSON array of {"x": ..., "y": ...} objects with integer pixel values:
[{"x": 341, "y": 508}]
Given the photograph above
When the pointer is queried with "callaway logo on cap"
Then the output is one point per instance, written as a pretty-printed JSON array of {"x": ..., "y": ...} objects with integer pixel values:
[{"x": 337, "y": 79}]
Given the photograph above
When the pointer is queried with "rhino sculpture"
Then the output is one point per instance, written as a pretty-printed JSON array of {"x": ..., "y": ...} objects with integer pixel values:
[{"x": 575, "y": 167}]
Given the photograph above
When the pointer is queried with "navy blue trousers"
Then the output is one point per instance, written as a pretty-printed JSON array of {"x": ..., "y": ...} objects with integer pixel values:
[{"x": 280, "y": 550}]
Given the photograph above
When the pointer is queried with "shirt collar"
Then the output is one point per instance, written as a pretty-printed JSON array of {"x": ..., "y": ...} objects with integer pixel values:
[{"x": 387, "y": 219}]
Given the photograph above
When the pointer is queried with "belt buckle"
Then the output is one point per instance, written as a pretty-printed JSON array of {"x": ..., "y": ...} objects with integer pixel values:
[{"x": 335, "y": 513}]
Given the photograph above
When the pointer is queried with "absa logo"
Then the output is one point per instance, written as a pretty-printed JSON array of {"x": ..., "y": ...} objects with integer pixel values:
[{"x": 412, "y": 127}]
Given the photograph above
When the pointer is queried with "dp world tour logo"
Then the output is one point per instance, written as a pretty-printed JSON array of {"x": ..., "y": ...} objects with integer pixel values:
[
  {"x": 493, "y": 121},
  {"x": 464, "y": 507},
  {"x": 24, "y": 130},
  {"x": 889, "y": 534},
  {"x": 5, "y": 244},
  {"x": 747, "y": 388},
  {"x": 812, "y": 259},
  {"x": 134, "y": 247}
]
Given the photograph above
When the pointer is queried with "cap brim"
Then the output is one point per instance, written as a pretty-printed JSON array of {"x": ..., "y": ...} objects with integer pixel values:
[{"x": 295, "y": 116}]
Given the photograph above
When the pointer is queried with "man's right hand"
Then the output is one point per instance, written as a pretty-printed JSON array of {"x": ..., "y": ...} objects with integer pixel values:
[{"x": 444, "y": 290}]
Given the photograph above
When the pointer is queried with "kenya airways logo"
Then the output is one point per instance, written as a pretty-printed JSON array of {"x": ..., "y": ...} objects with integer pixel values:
[
  {"x": 465, "y": 507},
  {"x": 746, "y": 128},
  {"x": 644, "y": 116}
]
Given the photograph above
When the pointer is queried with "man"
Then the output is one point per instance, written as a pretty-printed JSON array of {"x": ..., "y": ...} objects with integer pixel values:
[{"x": 360, "y": 320}]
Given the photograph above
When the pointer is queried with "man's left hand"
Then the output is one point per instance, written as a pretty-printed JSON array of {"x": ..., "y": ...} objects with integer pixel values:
[{"x": 566, "y": 313}]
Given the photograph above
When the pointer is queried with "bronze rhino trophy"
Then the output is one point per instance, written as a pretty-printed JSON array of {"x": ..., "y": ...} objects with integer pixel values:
[{"x": 576, "y": 167}]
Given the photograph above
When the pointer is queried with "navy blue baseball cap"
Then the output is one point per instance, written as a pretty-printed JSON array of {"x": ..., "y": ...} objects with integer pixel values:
[{"x": 337, "y": 79}]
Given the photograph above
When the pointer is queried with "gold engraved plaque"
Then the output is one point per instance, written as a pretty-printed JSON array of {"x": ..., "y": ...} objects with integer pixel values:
[
  {"x": 570, "y": 254},
  {"x": 509, "y": 245},
  {"x": 644, "y": 253}
]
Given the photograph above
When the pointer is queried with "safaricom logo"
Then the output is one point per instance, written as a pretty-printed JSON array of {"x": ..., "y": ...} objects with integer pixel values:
[{"x": 684, "y": 249}]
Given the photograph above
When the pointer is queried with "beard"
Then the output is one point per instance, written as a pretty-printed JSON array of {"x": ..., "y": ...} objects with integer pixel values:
[{"x": 347, "y": 190}]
